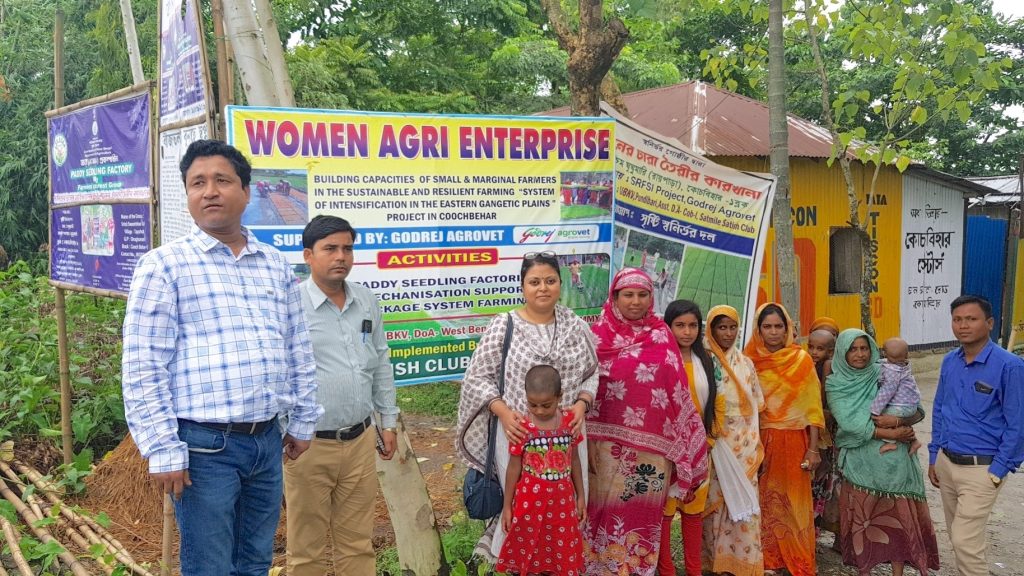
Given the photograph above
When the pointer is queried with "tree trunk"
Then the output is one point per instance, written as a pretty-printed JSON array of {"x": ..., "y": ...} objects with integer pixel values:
[
  {"x": 254, "y": 67},
  {"x": 785, "y": 258},
  {"x": 412, "y": 516},
  {"x": 275, "y": 52},
  {"x": 132, "y": 39},
  {"x": 611, "y": 94},
  {"x": 592, "y": 50},
  {"x": 844, "y": 164}
]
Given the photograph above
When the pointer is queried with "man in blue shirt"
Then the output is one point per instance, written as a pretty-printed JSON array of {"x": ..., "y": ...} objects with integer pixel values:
[
  {"x": 977, "y": 435},
  {"x": 215, "y": 350}
]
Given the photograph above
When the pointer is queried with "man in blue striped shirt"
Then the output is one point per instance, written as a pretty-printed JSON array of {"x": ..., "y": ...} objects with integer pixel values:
[{"x": 215, "y": 350}]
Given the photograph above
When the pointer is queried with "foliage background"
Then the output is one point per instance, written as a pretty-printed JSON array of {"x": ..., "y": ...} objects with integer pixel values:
[{"x": 463, "y": 56}]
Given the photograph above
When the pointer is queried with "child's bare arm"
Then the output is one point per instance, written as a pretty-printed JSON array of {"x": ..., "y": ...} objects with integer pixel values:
[{"x": 515, "y": 469}]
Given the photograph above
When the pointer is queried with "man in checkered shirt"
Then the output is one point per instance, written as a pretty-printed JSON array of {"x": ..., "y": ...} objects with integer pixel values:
[{"x": 216, "y": 354}]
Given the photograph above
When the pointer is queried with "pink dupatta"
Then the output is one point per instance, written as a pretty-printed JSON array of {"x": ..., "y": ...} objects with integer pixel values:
[{"x": 643, "y": 400}]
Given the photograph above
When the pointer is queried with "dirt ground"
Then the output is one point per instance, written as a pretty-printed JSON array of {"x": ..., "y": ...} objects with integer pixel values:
[{"x": 433, "y": 441}]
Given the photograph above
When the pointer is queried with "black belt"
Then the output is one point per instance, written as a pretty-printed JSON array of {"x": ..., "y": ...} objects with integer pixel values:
[
  {"x": 967, "y": 459},
  {"x": 250, "y": 428},
  {"x": 350, "y": 433}
]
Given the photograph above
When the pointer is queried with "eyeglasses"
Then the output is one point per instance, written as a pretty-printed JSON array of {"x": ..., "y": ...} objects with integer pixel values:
[{"x": 535, "y": 255}]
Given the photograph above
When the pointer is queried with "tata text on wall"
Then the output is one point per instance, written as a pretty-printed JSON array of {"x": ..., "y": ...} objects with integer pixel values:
[
  {"x": 101, "y": 188},
  {"x": 445, "y": 206},
  {"x": 698, "y": 228}
]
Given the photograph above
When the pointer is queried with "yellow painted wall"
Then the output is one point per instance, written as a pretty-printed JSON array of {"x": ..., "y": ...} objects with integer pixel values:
[
  {"x": 819, "y": 203},
  {"x": 1018, "y": 300}
]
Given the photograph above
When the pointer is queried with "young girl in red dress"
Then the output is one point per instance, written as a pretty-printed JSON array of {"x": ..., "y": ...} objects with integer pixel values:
[{"x": 542, "y": 514}]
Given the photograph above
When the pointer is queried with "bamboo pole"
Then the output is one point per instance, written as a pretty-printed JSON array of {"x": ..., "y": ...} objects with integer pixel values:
[
  {"x": 224, "y": 76},
  {"x": 250, "y": 49},
  {"x": 62, "y": 320},
  {"x": 87, "y": 290},
  {"x": 65, "y": 379},
  {"x": 11, "y": 535},
  {"x": 31, "y": 520},
  {"x": 37, "y": 507},
  {"x": 115, "y": 95},
  {"x": 83, "y": 522},
  {"x": 167, "y": 537},
  {"x": 88, "y": 527}
]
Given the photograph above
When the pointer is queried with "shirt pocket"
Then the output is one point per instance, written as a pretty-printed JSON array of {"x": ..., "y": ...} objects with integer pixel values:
[
  {"x": 369, "y": 358},
  {"x": 977, "y": 401}
]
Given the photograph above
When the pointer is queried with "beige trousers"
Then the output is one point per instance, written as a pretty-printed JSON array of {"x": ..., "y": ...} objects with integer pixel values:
[
  {"x": 330, "y": 492},
  {"x": 967, "y": 499}
]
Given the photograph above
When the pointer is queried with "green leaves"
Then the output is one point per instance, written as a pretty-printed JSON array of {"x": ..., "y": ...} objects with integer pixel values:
[{"x": 29, "y": 397}]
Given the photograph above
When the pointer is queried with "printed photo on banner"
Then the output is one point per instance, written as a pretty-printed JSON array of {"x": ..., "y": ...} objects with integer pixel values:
[
  {"x": 446, "y": 208},
  {"x": 696, "y": 227},
  {"x": 277, "y": 197},
  {"x": 586, "y": 194}
]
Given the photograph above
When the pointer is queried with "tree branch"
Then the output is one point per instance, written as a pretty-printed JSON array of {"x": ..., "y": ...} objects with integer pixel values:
[{"x": 556, "y": 16}]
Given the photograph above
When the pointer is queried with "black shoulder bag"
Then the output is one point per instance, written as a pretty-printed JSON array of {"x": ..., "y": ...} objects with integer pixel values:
[{"x": 481, "y": 491}]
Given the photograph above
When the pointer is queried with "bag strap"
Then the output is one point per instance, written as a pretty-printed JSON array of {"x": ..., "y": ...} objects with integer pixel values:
[{"x": 493, "y": 424}]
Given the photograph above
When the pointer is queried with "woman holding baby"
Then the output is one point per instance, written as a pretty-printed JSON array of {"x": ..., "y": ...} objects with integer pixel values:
[{"x": 883, "y": 513}]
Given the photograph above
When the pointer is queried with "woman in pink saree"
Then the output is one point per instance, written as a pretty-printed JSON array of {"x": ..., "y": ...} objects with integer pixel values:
[{"x": 643, "y": 430}]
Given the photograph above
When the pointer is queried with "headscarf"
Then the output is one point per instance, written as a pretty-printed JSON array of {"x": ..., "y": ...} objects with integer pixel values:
[
  {"x": 792, "y": 392},
  {"x": 850, "y": 393},
  {"x": 730, "y": 360},
  {"x": 825, "y": 323},
  {"x": 643, "y": 399}
]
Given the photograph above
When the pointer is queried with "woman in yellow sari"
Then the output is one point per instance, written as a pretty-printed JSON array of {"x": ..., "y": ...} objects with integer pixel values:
[{"x": 790, "y": 424}]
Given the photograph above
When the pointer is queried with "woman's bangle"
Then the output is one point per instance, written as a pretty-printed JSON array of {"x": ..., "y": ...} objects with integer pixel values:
[
  {"x": 812, "y": 451},
  {"x": 586, "y": 403}
]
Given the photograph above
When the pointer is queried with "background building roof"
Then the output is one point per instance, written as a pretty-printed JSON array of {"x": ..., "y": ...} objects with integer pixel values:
[{"x": 715, "y": 122}]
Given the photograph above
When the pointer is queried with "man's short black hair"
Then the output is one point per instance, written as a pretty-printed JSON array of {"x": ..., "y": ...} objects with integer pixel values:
[
  {"x": 986, "y": 306},
  {"x": 205, "y": 148},
  {"x": 323, "y": 226}
]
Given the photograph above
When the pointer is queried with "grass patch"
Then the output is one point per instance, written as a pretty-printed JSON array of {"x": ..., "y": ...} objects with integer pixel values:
[
  {"x": 438, "y": 399},
  {"x": 457, "y": 543}
]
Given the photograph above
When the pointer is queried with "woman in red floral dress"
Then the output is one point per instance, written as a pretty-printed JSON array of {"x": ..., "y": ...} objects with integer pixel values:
[{"x": 542, "y": 514}]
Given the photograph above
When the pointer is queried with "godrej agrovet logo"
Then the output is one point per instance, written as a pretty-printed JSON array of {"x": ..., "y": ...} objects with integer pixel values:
[
  {"x": 59, "y": 150},
  {"x": 548, "y": 234}
]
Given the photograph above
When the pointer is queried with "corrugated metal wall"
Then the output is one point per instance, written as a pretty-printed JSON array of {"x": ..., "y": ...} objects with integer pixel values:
[
  {"x": 819, "y": 204},
  {"x": 985, "y": 264}
]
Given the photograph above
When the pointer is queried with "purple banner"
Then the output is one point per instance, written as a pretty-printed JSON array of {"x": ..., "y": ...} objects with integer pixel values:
[
  {"x": 102, "y": 152},
  {"x": 98, "y": 245},
  {"x": 182, "y": 78}
]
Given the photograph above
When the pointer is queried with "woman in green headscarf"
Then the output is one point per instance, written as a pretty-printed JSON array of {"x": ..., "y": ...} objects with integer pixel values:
[{"x": 883, "y": 515}]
